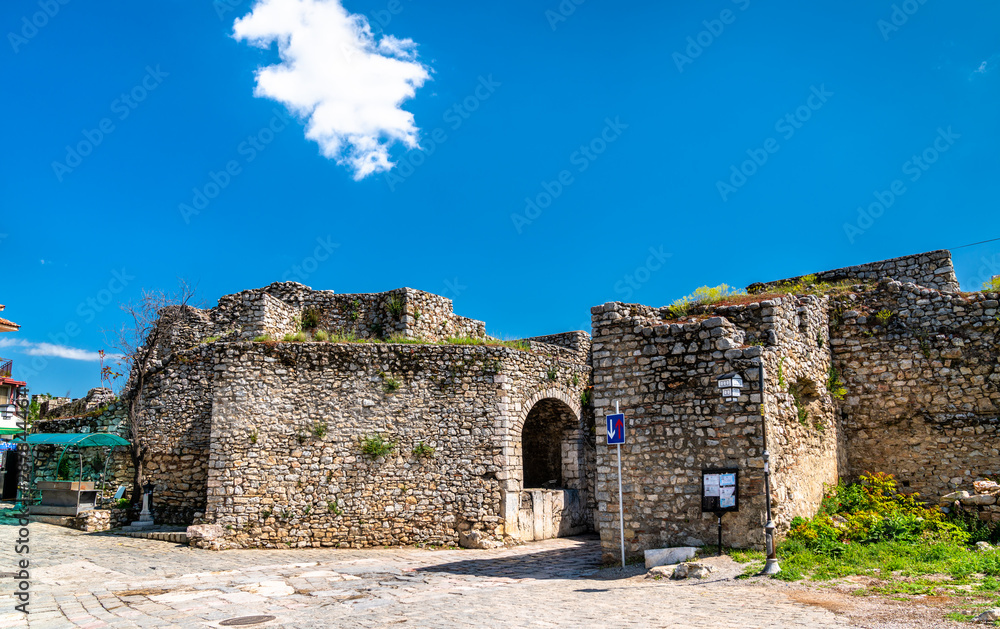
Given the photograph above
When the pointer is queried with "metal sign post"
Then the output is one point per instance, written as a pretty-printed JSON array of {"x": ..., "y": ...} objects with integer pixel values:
[{"x": 616, "y": 436}]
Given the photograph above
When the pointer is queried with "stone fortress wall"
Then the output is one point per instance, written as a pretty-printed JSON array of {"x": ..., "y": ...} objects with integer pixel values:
[
  {"x": 918, "y": 363},
  {"x": 262, "y": 439}
]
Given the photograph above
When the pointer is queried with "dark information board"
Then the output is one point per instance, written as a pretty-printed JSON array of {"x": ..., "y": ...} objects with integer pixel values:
[{"x": 720, "y": 490}]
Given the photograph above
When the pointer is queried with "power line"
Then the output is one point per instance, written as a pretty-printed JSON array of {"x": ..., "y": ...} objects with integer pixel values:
[{"x": 981, "y": 242}]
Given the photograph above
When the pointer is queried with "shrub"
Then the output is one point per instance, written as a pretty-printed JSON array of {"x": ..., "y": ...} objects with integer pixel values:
[
  {"x": 122, "y": 503},
  {"x": 868, "y": 512},
  {"x": 376, "y": 445},
  {"x": 993, "y": 285},
  {"x": 322, "y": 336}
]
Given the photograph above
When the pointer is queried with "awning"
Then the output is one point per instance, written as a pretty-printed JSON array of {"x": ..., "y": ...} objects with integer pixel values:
[
  {"x": 10, "y": 431},
  {"x": 81, "y": 440}
]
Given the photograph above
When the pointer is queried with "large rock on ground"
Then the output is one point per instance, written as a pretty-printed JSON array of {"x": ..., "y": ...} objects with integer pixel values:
[
  {"x": 692, "y": 570},
  {"x": 666, "y": 556},
  {"x": 210, "y": 536}
]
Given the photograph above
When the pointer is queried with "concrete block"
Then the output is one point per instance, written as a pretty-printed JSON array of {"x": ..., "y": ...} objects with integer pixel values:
[{"x": 666, "y": 556}]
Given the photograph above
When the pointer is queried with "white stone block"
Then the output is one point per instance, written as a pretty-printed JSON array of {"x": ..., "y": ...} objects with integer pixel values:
[{"x": 666, "y": 556}]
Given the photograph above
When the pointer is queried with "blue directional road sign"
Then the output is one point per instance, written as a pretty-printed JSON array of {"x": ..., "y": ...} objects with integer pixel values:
[{"x": 616, "y": 428}]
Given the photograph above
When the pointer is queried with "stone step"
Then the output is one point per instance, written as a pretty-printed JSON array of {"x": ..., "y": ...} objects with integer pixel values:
[{"x": 175, "y": 537}]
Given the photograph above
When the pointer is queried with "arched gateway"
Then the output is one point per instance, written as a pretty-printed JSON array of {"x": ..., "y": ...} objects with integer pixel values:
[{"x": 546, "y": 491}]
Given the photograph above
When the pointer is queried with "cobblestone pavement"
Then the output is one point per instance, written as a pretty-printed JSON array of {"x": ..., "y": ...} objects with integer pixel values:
[{"x": 100, "y": 580}]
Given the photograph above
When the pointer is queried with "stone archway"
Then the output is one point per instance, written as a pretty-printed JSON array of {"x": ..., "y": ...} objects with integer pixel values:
[{"x": 545, "y": 477}]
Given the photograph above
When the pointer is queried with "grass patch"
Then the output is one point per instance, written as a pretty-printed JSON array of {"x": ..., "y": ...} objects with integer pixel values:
[{"x": 465, "y": 340}]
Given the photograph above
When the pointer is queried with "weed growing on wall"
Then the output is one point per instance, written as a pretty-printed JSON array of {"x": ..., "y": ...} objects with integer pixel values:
[
  {"x": 423, "y": 451},
  {"x": 834, "y": 385},
  {"x": 883, "y": 316},
  {"x": 396, "y": 306},
  {"x": 376, "y": 445}
]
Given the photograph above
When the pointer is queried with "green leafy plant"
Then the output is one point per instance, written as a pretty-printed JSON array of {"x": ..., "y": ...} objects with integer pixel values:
[
  {"x": 575, "y": 380},
  {"x": 819, "y": 340},
  {"x": 253, "y": 437},
  {"x": 422, "y": 450},
  {"x": 396, "y": 306},
  {"x": 376, "y": 445},
  {"x": 265, "y": 514},
  {"x": 800, "y": 409},
  {"x": 586, "y": 395},
  {"x": 993, "y": 285},
  {"x": 781, "y": 374},
  {"x": 553, "y": 373},
  {"x": 389, "y": 384},
  {"x": 417, "y": 314},
  {"x": 333, "y": 507},
  {"x": 834, "y": 385},
  {"x": 883, "y": 316},
  {"x": 64, "y": 471},
  {"x": 319, "y": 429},
  {"x": 122, "y": 503},
  {"x": 355, "y": 312},
  {"x": 310, "y": 319},
  {"x": 321, "y": 335}
]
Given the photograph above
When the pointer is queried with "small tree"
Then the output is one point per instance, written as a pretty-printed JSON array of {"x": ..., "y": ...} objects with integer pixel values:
[{"x": 140, "y": 341}]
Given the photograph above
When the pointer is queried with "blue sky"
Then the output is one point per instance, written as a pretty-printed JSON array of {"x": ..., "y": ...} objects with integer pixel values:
[{"x": 628, "y": 126}]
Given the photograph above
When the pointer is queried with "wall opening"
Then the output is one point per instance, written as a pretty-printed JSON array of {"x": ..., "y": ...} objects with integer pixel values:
[{"x": 549, "y": 444}]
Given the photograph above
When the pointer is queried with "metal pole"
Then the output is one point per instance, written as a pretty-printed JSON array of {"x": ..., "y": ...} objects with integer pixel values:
[
  {"x": 621, "y": 507},
  {"x": 720, "y": 533},
  {"x": 771, "y": 565}
]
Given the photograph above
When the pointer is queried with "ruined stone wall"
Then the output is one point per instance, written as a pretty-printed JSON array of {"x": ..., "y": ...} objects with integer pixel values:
[
  {"x": 287, "y": 467},
  {"x": 933, "y": 269},
  {"x": 922, "y": 385},
  {"x": 281, "y": 308},
  {"x": 577, "y": 342},
  {"x": 664, "y": 375},
  {"x": 64, "y": 407},
  {"x": 175, "y": 424}
]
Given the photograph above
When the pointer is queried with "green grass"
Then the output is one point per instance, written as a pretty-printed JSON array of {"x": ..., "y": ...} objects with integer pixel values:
[
  {"x": 885, "y": 559},
  {"x": 465, "y": 340}
]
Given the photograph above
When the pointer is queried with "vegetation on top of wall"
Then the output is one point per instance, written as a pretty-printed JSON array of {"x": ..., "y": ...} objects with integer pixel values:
[
  {"x": 263, "y": 338},
  {"x": 993, "y": 285},
  {"x": 703, "y": 296},
  {"x": 376, "y": 445}
]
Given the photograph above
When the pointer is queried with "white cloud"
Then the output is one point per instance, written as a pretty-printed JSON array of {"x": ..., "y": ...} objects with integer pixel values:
[
  {"x": 333, "y": 72},
  {"x": 56, "y": 351},
  {"x": 987, "y": 66}
]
